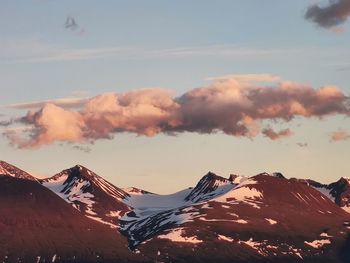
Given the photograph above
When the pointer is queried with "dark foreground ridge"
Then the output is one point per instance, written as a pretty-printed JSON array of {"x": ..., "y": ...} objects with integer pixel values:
[{"x": 77, "y": 216}]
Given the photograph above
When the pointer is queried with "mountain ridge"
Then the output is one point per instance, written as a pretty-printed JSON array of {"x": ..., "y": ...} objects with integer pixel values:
[{"x": 260, "y": 218}]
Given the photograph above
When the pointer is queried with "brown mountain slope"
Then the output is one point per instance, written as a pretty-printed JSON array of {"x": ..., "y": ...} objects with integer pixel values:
[
  {"x": 90, "y": 194},
  {"x": 38, "y": 226}
]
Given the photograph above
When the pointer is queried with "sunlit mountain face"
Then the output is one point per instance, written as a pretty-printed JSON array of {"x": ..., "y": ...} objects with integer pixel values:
[{"x": 77, "y": 216}]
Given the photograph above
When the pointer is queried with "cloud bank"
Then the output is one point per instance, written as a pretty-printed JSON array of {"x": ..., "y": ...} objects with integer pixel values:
[
  {"x": 334, "y": 14},
  {"x": 237, "y": 106}
]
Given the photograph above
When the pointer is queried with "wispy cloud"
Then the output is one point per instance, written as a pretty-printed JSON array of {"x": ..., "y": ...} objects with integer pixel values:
[
  {"x": 213, "y": 50},
  {"x": 234, "y": 106},
  {"x": 248, "y": 78},
  {"x": 330, "y": 16},
  {"x": 339, "y": 135},
  {"x": 61, "y": 102},
  {"x": 34, "y": 51}
]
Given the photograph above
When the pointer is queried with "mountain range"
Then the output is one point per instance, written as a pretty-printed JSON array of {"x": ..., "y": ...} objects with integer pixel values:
[{"x": 77, "y": 216}]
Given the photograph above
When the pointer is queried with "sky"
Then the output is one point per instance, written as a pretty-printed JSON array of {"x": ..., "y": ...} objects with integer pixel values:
[{"x": 154, "y": 94}]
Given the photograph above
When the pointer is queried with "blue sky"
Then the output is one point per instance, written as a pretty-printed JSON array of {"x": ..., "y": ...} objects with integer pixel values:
[{"x": 177, "y": 45}]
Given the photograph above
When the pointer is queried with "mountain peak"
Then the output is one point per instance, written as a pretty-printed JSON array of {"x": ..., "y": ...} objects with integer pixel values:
[
  {"x": 278, "y": 175},
  {"x": 212, "y": 176},
  {"x": 206, "y": 187},
  {"x": 89, "y": 193},
  {"x": 79, "y": 175},
  {"x": 82, "y": 170},
  {"x": 78, "y": 171},
  {"x": 11, "y": 170}
]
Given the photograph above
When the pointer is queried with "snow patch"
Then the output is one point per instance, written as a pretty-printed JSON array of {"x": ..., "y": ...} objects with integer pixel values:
[
  {"x": 100, "y": 220},
  {"x": 346, "y": 208},
  {"x": 318, "y": 243},
  {"x": 325, "y": 191},
  {"x": 244, "y": 193},
  {"x": 207, "y": 206},
  {"x": 241, "y": 221},
  {"x": 178, "y": 235},
  {"x": 225, "y": 238},
  {"x": 233, "y": 214},
  {"x": 115, "y": 214},
  {"x": 256, "y": 245},
  {"x": 271, "y": 221}
]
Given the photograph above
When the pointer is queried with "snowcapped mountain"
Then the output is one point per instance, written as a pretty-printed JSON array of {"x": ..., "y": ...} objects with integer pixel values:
[
  {"x": 90, "y": 194},
  {"x": 155, "y": 213},
  {"x": 266, "y": 203},
  {"x": 261, "y": 218}
]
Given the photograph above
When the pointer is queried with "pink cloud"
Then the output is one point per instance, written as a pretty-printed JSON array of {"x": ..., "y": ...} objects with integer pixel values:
[
  {"x": 273, "y": 135},
  {"x": 234, "y": 106},
  {"x": 339, "y": 135}
]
